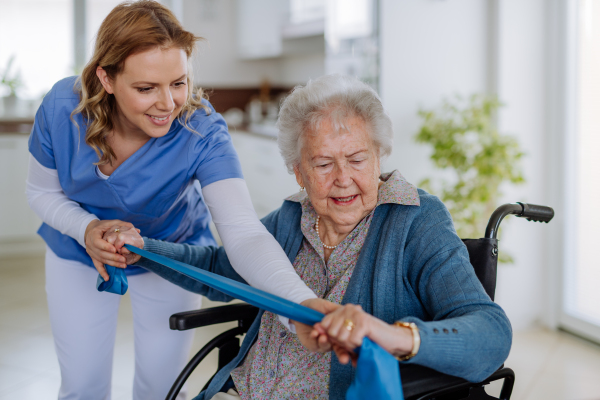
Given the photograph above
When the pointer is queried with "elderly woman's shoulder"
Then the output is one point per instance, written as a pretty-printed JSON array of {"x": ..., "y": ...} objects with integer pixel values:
[{"x": 431, "y": 205}]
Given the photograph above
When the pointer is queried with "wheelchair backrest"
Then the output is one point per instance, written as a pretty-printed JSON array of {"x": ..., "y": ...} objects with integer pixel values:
[{"x": 483, "y": 254}]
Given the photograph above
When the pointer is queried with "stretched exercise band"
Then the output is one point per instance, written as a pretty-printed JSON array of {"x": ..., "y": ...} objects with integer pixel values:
[{"x": 377, "y": 371}]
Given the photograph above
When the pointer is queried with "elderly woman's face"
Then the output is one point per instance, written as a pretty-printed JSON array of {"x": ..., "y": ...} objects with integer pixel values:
[{"x": 340, "y": 171}]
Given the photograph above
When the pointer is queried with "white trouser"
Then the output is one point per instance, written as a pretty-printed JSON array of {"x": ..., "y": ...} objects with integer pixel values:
[{"x": 84, "y": 323}]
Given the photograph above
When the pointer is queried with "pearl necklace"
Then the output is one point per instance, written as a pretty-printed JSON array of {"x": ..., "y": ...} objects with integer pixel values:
[{"x": 319, "y": 235}]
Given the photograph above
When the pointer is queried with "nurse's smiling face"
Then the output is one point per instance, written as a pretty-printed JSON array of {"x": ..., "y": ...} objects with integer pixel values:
[{"x": 150, "y": 91}]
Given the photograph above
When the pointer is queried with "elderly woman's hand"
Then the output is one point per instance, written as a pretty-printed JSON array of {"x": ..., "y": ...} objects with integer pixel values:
[
  {"x": 347, "y": 326},
  {"x": 310, "y": 338},
  {"x": 118, "y": 236}
]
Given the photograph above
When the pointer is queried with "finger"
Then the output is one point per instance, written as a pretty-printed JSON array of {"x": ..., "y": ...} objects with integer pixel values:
[
  {"x": 342, "y": 355},
  {"x": 107, "y": 257},
  {"x": 334, "y": 315},
  {"x": 357, "y": 335},
  {"x": 110, "y": 237},
  {"x": 324, "y": 347},
  {"x": 119, "y": 224},
  {"x": 326, "y": 321},
  {"x": 339, "y": 325},
  {"x": 116, "y": 260},
  {"x": 124, "y": 238},
  {"x": 98, "y": 243},
  {"x": 319, "y": 328},
  {"x": 138, "y": 231},
  {"x": 336, "y": 325},
  {"x": 101, "y": 270},
  {"x": 323, "y": 342},
  {"x": 331, "y": 307}
]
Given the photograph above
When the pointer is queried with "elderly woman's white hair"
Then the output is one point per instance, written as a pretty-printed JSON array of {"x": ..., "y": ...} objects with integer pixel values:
[{"x": 336, "y": 97}]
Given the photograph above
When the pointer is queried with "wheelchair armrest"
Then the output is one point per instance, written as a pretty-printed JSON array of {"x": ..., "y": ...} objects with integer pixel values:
[
  {"x": 244, "y": 313},
  {"x": 419, "y": 382}
]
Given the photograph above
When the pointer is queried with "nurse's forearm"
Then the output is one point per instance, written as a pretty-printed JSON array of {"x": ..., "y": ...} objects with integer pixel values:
[
  {"x": 252, "y": 250},
  {"x": 47, "y": 199}
]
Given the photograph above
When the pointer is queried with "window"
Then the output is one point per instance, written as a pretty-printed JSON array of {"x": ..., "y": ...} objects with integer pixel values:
[
  {"x": 581, "y": 283},
  {"x": 38, "y": 34}
]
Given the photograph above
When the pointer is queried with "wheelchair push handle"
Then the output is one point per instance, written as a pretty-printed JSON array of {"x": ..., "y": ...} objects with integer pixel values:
[{"x": 531, "y": 212}]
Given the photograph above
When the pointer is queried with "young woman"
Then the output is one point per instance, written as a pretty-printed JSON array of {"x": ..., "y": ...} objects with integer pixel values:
[{"x": 130, "y": 143}]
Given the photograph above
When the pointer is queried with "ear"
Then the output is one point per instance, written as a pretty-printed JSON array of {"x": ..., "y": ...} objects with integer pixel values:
[
  {"x": 104, "y": 80},
  {"x": 298, "y": 176},
  {"x": 378, "y": 167}
]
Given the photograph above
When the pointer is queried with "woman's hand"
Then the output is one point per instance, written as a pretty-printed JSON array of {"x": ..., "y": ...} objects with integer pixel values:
[
  {"x": 119, "y": 236},
  {"x": 309, "y": 337},
  {"x": 99, "y": 249},
  {"x": 347, "y": 326}
]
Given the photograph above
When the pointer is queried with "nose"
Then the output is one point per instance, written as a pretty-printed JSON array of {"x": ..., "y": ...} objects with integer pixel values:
[
  {"x": 165, "y": 101},
  {"x": 343, "y": 177}
]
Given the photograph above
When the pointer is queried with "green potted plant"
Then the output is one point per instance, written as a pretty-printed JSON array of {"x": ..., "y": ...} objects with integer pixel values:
[
  {"x": 12, "y": 82},
  {"x": 465, "y": 141}
]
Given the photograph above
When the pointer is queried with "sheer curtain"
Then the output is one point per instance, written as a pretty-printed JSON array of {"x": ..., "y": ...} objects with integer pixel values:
[{"x": 581, "y": 290}]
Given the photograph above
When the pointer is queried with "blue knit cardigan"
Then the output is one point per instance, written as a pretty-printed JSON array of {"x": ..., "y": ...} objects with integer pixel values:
[{"x": 413, "y": 267}]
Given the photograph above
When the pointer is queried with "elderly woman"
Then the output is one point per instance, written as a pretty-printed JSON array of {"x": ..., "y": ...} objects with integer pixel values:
[{"x": 355, "y": 236}]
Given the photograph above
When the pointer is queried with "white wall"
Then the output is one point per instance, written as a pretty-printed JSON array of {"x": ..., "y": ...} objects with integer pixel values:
[
  {"x": 429, "y": 50},
  {"x": 435, "y": 49},
  {"x": 217, "y": 63},
  {"x": 521, "y": 79}
]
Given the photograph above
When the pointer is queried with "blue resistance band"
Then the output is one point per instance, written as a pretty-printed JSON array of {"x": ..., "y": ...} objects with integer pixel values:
[{"x": 377, "y": 371}]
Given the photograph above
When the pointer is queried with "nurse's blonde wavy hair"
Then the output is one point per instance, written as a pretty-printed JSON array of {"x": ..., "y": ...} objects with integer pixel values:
[{"x": 130, "y": 28}]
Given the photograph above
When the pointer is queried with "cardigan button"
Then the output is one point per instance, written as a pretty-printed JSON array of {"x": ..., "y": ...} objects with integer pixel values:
[
  {"x": 454, "y": 330},
  {"x": 435, "y": 330},
  {"x": 446, "y": 330}
]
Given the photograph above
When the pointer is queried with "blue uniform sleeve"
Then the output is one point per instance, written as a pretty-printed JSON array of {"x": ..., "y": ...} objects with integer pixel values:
[
  {"x": 40, "y": 140},
  {"x": 212, "y": 156}
]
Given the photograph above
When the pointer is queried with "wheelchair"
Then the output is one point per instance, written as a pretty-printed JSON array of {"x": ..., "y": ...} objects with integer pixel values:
[{"x": 418, "y": 383}]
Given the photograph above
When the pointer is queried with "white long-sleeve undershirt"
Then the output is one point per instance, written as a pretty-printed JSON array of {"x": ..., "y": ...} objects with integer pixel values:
[
  {"x": 252, "y": 250},
  {"x": 47, "y": 199}
]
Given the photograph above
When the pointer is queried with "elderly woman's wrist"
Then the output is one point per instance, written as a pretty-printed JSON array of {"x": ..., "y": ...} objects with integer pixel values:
[
  {"x": 404, "y": 342},
  {"x": 415, "y": 340},
  {"x": 396, "y": 340}
]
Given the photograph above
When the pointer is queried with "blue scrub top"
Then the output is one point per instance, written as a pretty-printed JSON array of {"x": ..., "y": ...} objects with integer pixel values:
[{"x": 157, "y": 189}]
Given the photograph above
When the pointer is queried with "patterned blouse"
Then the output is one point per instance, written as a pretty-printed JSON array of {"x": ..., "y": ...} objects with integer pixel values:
[{"x": 277, "y": 365}]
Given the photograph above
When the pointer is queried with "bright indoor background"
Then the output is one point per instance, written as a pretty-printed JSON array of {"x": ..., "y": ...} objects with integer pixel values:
[{"x": 541, "y": 57}]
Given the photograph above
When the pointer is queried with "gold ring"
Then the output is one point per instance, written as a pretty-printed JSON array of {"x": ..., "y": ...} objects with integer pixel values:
[
  {"x": 117, "y": 230},
  {"x": 349, "y": 325}
]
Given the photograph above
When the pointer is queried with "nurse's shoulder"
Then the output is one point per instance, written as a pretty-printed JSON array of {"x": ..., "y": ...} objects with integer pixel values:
[
  {"x": 62, "y": 98},
  {"x": 205, "y": 123},
  {"x": 65, "y": 89}
]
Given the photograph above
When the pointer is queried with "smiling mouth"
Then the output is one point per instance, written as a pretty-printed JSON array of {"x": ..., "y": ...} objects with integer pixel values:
[
  {"x": 345, "y": 199},
  {"x": 159, "y": 118}
]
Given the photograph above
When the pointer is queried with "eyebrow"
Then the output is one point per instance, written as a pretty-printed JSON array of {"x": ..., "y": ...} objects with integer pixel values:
[
  {"x": 348, "y": 156},
  {"x": 156, "y": 84}
]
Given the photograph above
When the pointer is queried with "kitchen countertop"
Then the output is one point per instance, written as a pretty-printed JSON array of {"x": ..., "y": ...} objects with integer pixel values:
[{"x": 19, "y": 126}]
